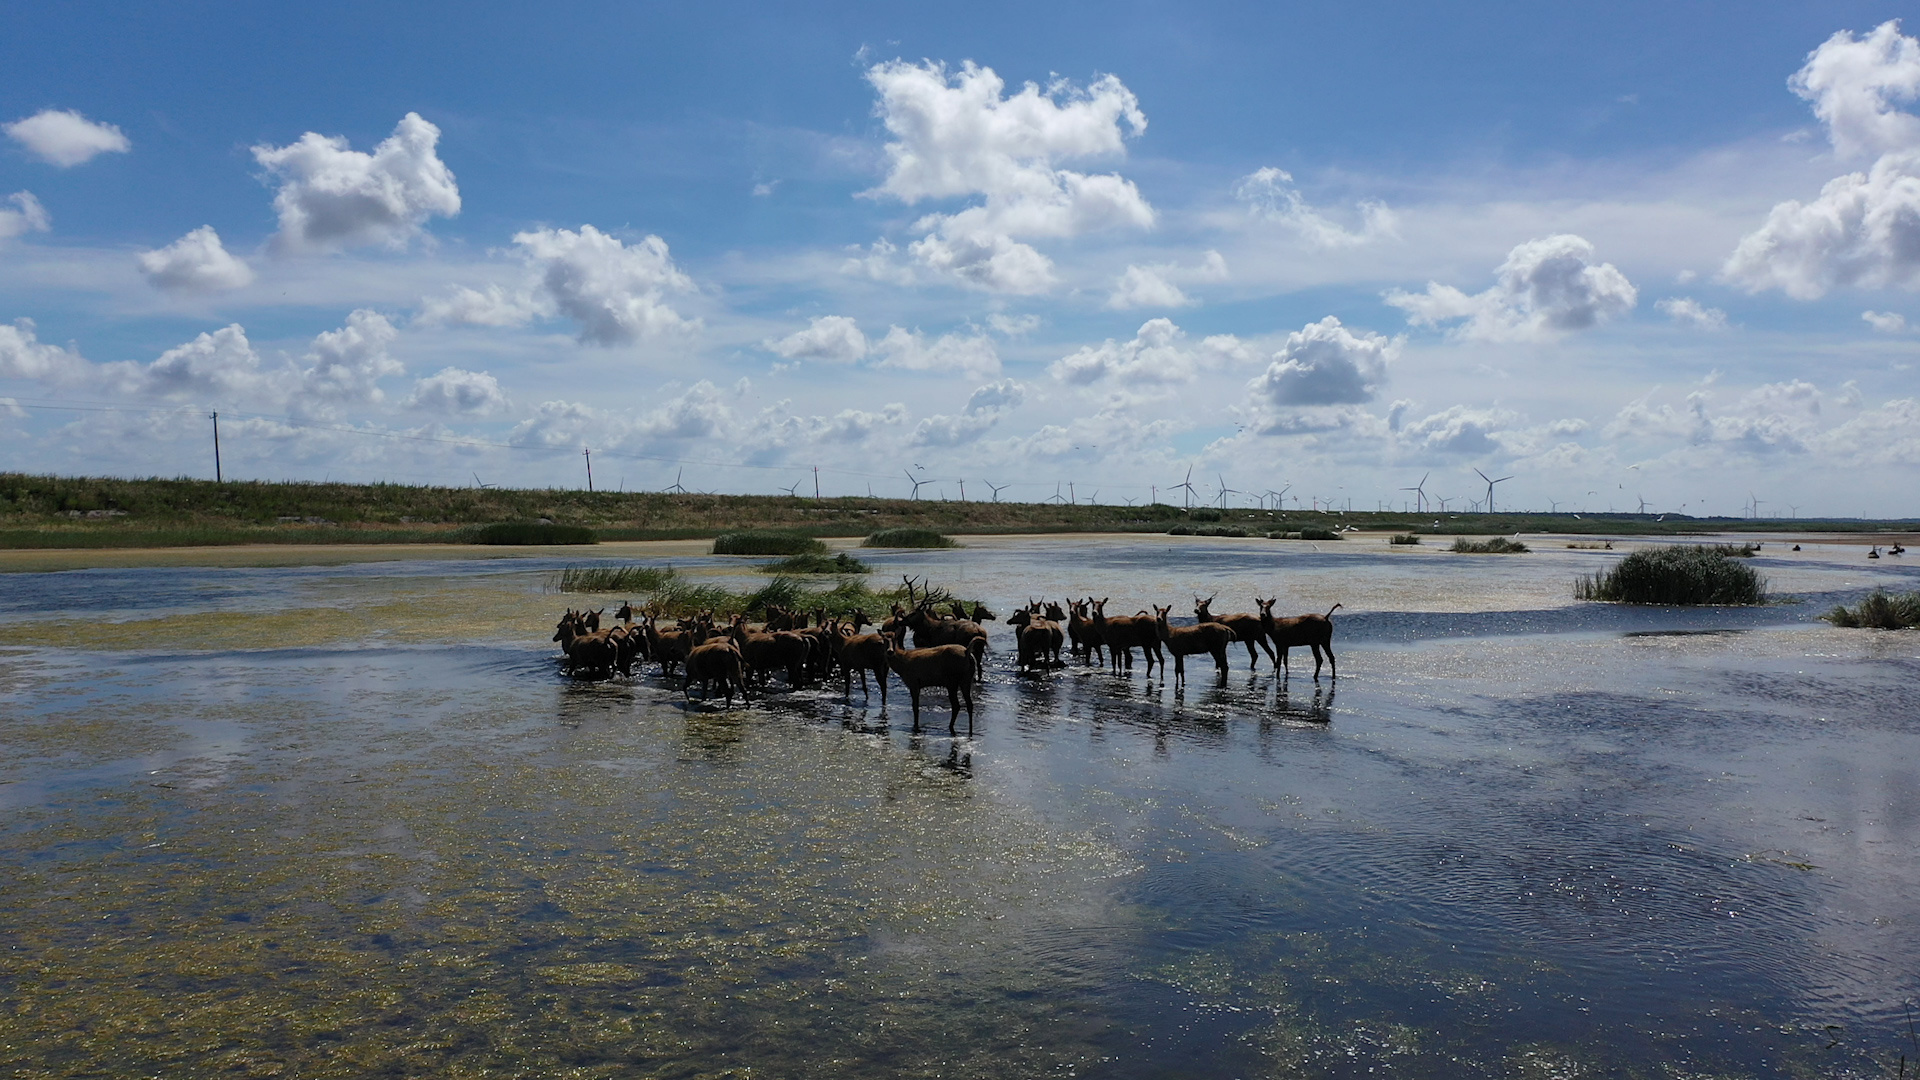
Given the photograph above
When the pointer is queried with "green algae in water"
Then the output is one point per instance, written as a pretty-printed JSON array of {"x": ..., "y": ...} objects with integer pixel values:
[{"x": 532, "y": 900}]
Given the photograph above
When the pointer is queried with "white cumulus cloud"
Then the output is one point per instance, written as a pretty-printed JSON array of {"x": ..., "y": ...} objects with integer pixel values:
[
  {"x": 26, "y": 216},
  {"x": 1886, "y": 322},
  {"x": 195, "y": 263},
  {"x": 1324, "y": 363},
  {"x": 964, "y": 354},
  {"x": 1269, "y": 194},
  {"x": 834, "y": 338},
  {"x": 221, "y": 365},
  {"x": 1864, "y": 228},
  {"x": 346, "y": 365},
  {"x": 65, "y": 138},
  {"x": 472, "y": 307},
  {"x": 1855, "y": 85},
  {"x": 332, "y": 196},
  {"x": 458, "y": 392},
  {"x": 1158, "y": 354},
  {"x": 616, "y": 292},
  {"x": 983, "y": 410},
  {"x": 1158, "y": 285},
  {"x": 956, "y": 136},
  {"x": 1545, "y": 288},
  {"x": 24, "y": 356},
  {"x": 1690, "y": 312}
]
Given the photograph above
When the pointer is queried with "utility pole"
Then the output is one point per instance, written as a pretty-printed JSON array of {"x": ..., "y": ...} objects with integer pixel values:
[
  {"x": 816, "y": 483},
  {"x": 589, "y": 454},
  {"x": 217, "y": 476}
]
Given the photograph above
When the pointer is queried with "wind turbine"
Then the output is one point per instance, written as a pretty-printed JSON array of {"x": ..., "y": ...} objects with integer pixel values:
[
  {"x": 1094, "y": 499},
  {"x": 1187, "y": 486},
  {"x": 997, "y": 488},
  {"x": 676, "y": 488},
  {"x": 916, "y": 483},
  {"x": 1225, "y": 490},
  {"x": 1419, "y": 495},
  {"x": 1057, "y": 497},
  {"x": 1490, "y": 482},
  {"x": 1756, "y": 503},
  {"x": 795, "y": 489},
  {"x": 478, "y": 484},
  {"x": 1643, "y": 504}
]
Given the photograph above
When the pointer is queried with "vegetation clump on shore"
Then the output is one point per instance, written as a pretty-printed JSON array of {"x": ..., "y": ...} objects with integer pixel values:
[
  {"x": 767, "y": 542},
  {"x": 1207, "y": 530},
  {"x": 662, "y": 589},
  {"x": 815, "y": 563},
  {"x": 1681, "y": 574},
  {"x": 908, "y": 537},
  {"x": 515, "y": 532},
  {"x": 1498, "y": 545},
  {"x": 1403, "y": 539},
  {"x": 1879, "y": 610}
]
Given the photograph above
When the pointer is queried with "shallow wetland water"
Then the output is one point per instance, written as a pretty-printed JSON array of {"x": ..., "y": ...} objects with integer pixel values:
[{"x": 352, "y": 821}]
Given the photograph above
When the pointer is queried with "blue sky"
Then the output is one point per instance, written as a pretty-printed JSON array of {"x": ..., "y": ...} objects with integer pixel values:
[{"x": 1612, "y": 251}]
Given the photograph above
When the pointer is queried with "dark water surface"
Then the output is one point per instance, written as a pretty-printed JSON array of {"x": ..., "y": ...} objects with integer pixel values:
[{"x": 1520, "y": 841}]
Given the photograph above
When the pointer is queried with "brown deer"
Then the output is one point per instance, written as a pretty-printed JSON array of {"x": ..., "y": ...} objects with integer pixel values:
[
  {"x": 1081, "y": 631},
  {"x": 951, "y": 666},
  {"x": 863, "y": 653},
  {"x": 716, "y": 660},
  {"x": 591, "y": 651},
  {"x": 929, "y": 631},
  {"x": 1123, "y": 633},
  {"x": 1211, "y": 638},
  {"x": 763, "y": 653},
  {"x": 1036, "y": 638},
  {"x": 670, "y": 647},
  {"x": 1245, "y": 627},
  {"x": 1314, "y": 631}
]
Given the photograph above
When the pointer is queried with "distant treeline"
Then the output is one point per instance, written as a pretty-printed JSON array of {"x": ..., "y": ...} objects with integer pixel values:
[{"x": 54, "y": 511}]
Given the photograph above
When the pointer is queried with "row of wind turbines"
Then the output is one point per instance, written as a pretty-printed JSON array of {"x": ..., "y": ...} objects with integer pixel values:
[{"x": 1066, "y": 493}]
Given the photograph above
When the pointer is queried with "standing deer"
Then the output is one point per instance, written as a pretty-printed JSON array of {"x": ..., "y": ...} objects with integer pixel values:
[
  {"x": 1245, "y": 627},
  {"x": 1314, "y": 631},
  {"x": 1211, "y": 638}
]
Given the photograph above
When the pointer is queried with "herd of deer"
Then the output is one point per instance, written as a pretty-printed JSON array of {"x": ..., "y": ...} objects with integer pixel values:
[{"x": 948, "y": 648}]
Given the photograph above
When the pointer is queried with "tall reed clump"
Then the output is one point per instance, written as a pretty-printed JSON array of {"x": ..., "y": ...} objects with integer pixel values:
[
  {"x": 1498, "y": 545},
  {"x": 767, "y": 542},
  {"x": 611, "y": 579},
  {"x": 907, "y": 537},
  {"x": 1403, "y": 539},
  {"x": 1879, "y": 610},
  {"x": 1681, "y": 574}
]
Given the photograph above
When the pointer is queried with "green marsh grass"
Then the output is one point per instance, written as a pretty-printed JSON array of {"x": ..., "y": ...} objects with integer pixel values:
[
  {"x": 812, "y": 563},
  {"x": 1681, "y": 574},
  {"x": 1498, "y": 545},
  {"x": 1879, "y": 610},
  {"x": 1403, "y": 539},
  {"x": 767, "y": 542},
  {"x": 908, "y": 537},
  {"x": 517, "y": 532},
  {"x": 663, "y": 589}
]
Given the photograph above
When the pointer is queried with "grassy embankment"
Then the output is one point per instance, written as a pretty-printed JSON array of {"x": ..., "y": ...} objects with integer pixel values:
[{"x": 69, "y": 512}]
